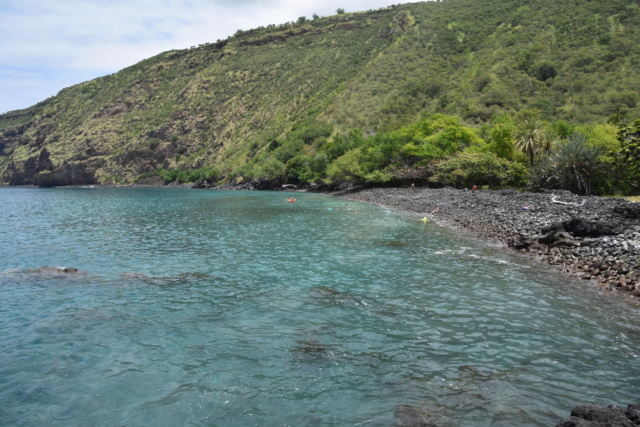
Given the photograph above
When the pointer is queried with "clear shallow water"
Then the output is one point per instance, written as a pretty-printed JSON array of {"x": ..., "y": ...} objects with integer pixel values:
[{"x": 212, "y": 308}]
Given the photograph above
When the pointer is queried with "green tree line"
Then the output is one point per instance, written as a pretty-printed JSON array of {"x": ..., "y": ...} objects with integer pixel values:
[{"x": 522, "y": 151}]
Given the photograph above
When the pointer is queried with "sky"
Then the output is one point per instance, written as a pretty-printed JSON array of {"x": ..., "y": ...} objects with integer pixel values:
[{"x": 48, "y": 45}]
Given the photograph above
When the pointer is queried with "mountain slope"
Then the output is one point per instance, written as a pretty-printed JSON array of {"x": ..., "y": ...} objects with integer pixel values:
[{"x": 222, "y": 103}]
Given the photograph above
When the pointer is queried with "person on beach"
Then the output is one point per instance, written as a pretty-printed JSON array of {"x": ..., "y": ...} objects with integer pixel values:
[
  {"x": 475, "y": 188},
  {"x": 413, "y": 186},
  {"x": 436, "y": 210},
  {"x": 425, "y": 219}
]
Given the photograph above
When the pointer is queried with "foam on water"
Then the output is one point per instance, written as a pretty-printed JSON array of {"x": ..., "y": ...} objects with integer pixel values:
[{"x": 235, "y": 309}]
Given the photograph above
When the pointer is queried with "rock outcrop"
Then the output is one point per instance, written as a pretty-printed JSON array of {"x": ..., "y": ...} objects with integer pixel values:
[{"x": 599, "y": 416}]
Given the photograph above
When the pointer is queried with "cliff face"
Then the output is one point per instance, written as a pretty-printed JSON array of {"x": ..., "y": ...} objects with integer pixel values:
[{"x": 223, "y": 103}]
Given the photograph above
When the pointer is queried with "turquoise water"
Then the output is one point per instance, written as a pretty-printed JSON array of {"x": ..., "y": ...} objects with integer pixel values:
[{"x": 215, "y": 308}]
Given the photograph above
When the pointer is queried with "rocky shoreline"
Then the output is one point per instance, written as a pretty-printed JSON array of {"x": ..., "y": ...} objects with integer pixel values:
[{"x": 593, "y": 238}]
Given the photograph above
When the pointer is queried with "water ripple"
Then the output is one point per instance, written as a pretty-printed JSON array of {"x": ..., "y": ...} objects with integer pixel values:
[{"x": 216, "y": 308}]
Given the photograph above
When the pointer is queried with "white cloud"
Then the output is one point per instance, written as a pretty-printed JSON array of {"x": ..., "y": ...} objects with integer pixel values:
[{"x": 48, "y": 45}]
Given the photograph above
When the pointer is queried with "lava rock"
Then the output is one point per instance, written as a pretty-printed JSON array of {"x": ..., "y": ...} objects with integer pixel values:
[{"x": 591, "y": 415}]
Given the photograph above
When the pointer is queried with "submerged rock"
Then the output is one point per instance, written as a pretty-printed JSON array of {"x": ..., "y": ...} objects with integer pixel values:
[
  {"x": 311, "y": 350},
  {"x": 45, "y": 270},
  {"x": 410, "y": 416},
  {"x": 599, "y": 416},
  {"x": 330, "y": 295},
  {"x": 45, "y": 274}
]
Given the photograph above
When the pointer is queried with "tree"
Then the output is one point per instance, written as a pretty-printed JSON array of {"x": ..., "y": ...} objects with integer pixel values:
[
  {"x": 273, "y": 168},
  {"x": 543, "y": 70},
  {"x": 629, "y": 138},
  {"x": 563, "y": 129},
  {"x": 305, "y": 168},
  {"x": 446, "y": 133},
  {"x": 574, "y": 165},
  {"x": 501, "y": 140},
  {"x": 346, "y": 167},
  {"x": 527, "y": 135},
  {"x": 340, "y": 11},
  {"x": 548, "y": 141},
  {"x": 467, "y": 168}
]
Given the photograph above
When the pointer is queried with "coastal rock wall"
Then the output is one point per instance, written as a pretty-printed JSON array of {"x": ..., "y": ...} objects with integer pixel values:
[{"x": 594, "y": 238}]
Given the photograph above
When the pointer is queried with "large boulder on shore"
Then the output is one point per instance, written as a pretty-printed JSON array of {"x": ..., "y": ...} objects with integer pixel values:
[
  {"x": 577, "y": 228},
  {"x": 580, "y": 227},
  {"x": 263, "y": 183}
]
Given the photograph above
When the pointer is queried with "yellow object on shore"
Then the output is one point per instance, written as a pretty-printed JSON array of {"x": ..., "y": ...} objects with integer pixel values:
[{"x": 425, "y": 220}]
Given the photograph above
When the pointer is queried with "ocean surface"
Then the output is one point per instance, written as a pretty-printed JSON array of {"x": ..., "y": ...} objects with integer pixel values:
[{"x": 217, "y": 308}]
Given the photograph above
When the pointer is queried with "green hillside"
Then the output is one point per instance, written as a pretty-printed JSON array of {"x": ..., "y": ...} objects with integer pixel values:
[{"x": 286, "y": 102}]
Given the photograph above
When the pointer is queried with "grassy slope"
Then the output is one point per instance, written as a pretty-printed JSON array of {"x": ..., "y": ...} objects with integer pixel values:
[
  {"x": 475, "y": 59},
  {"x": 219, "y": 104}
]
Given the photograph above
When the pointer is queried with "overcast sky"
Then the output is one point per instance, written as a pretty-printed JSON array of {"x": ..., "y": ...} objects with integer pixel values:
[{"x": 47, "y": 45}]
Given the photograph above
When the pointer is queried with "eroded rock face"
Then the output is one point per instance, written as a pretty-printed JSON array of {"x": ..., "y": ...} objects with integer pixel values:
[
  {"x": 23, "y": 173},
  {"x": 72, "y": 173},
  {"x": 39, "y": 170}
]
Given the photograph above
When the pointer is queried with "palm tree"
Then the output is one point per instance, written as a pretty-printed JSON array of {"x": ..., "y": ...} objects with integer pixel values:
[
  {"x": 548, "y": 141},
  {"x": 527, "y": 135},
  {"x": 575, "y": 163}
]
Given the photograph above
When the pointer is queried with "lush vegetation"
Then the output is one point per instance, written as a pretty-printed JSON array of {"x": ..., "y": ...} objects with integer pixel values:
[
  {"x": 458, "y": 92},
  {"x": 441, "y": 151},
  {"x": 182, "y": 176}
]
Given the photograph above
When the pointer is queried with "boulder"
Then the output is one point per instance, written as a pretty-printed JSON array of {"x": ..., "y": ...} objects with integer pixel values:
[
  {"x": 591, "y": 415},
  {"x": 410, "y": 416},
  {"x": 520, "y": 242},
  {"x": 579, "y": 227},
  {"x": 263, "y": 183}
]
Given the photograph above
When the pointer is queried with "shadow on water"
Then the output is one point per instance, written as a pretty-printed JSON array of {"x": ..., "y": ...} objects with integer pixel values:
[
  {"x": 328, "y": 295},
  {"x": 45, "y": 274}
]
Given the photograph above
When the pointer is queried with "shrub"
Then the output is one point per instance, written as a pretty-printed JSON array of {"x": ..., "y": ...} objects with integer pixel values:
[
  {"x": 191, "y": 175},
  {"x": 466, "y": 169},
  {"x": 543, "y": 70},
  {"x": 272, "y": 169},
  {"x": 346, "y": 167},
  {"x": 305, "y": 168},
  {"x": 572, "y": 166},
  {"x": 379, "y": 177},
  {"x": 501, "y": 141},
  {"x": 629, "y": 138}
]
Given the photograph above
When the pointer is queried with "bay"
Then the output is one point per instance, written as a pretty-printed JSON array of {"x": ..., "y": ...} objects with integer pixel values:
[{"x": 219, "y": 308}]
